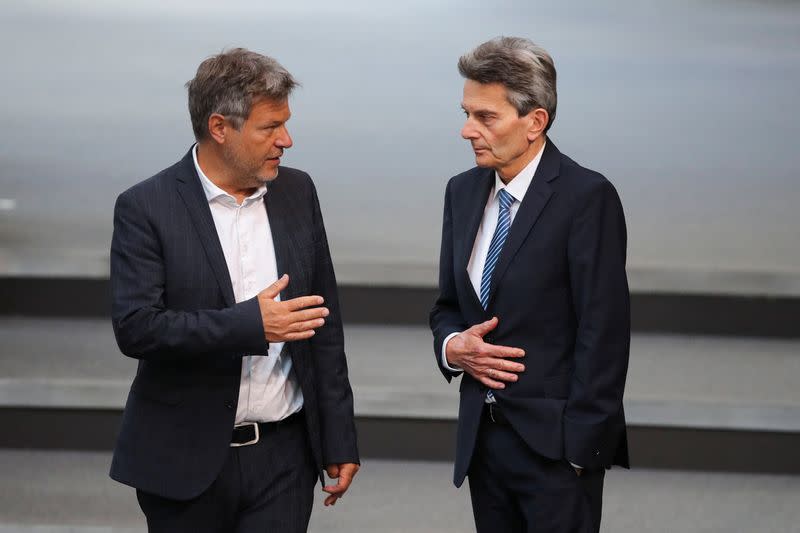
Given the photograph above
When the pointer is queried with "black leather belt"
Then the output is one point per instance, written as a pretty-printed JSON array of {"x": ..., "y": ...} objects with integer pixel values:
[
  {"x": 250, "y": 433},
  {"x": 493, "y": 413}
]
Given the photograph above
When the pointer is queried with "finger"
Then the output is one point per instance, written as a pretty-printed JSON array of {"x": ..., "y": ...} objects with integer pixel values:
[
  {"x": 308, "y": 324},
  {"x": 492, "y": 384},
  {"x": 275, "y": 289},
  {"x": 337, "y": 490},
  {"x": 299, "y": 335},
  {"x": 485, "y": 327},
  {"x": 309, "y": 314},
  {"x": 301, "y": 302},
  {"x": 499, "y": 375},
  {"x": 507, "y": 366},
  {"x": 331, "y": 500},
  {"x": 333, "y": 471},
  {"x": 345, "y": 478},
  {"x": 503, "y": 351}
]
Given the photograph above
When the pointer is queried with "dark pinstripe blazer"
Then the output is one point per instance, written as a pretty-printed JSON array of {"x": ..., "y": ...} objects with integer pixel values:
[{"x": 173, "y": 309}]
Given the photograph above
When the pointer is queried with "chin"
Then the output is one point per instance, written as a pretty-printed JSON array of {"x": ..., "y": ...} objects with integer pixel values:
[
  {"x": 267, "y": 177},
  {"x": 483, "y": 162}
]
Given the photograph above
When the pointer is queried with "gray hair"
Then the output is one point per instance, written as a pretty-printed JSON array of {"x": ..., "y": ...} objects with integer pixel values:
[
  {"x": 230, "y": 83},
  {"x": 525, "y": 69}
]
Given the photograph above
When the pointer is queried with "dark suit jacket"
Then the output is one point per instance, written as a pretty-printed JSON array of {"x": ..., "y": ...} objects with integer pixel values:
[
  {"x": 174, "y": 310},
  {"x": 560, "y": 292}
]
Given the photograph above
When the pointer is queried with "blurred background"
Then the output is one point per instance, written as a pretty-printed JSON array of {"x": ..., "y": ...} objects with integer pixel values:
[{"x": 689, "y": 107}]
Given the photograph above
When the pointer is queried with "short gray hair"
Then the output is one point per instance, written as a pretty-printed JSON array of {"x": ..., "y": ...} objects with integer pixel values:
[
  {"x": 524, "y": 68},
  {"x": 230, "y": 83}
]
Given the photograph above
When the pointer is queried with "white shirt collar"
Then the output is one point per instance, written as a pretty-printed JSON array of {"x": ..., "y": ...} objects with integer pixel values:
[
  {"x": 212, "y": 191},
  {"x": 518, "y": 186}
]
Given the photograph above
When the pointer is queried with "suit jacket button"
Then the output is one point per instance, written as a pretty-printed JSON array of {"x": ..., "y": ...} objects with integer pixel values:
[{"x": 229, "y": 405}]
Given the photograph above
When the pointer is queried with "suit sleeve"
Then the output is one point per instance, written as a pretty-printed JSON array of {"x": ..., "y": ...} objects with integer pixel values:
[
  {"x": 143, "y": 326},
  {"x": 445, "y": 317},
  {"x": 596, "y": 252},
  {"x": 335, "y": 396}
]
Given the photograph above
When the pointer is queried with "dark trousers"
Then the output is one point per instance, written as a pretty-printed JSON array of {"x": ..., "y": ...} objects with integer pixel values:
[
  {"x": 516, "y": 490},
  {"x": 266, "y": 487}
]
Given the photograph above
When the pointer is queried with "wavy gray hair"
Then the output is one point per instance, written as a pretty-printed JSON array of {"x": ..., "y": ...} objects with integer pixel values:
[
  {"x": 524, "y": 68},
  {"x": 230, "y": 83}
]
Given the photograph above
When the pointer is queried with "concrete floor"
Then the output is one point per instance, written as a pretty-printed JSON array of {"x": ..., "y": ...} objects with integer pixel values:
[{"x": 60, "y": 492}]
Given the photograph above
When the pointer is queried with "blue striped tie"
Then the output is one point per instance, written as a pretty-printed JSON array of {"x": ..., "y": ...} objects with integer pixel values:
[{"x": 496, "y": 246}]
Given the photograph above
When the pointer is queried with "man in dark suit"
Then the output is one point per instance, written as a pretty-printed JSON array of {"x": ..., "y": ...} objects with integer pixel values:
[
  {"x": 533, "y": 306},
  {"x": 219, "y": 271}
]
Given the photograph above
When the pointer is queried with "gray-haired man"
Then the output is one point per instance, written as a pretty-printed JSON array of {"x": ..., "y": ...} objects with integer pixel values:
[
  {"x": 533, "y": 306},
  {"x": 219, "y": 272}
]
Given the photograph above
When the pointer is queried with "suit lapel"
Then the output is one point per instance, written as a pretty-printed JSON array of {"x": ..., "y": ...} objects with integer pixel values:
[
  {"x": 191, "y": 192},
  {"x": 474, "y": 205},
  {"x": 276, "y": 203},
  {"x": 536, "y": 198}
]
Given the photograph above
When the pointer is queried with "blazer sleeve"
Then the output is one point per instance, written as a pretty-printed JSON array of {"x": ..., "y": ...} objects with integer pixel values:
[
  {"x": 334, "y": 394},
  {"x": 596, "y": 252},
  {"x": 143, "y": 326},
  {"x": 445, "y": 317}
]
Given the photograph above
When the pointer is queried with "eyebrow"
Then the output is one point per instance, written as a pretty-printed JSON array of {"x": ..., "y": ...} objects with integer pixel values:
[{"x": 483, "y": 113}]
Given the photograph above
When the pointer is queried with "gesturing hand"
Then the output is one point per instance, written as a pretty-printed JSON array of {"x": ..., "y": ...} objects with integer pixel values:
[
  {"x": 344, "y": 473},
  {"x": 290, "y": 320},
  {"x": 485, "y": 362}
]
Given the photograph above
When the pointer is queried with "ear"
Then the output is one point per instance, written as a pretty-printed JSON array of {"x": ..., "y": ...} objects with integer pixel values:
[
  {"x": 538, "y": 122},
  {"x": 217, "y": 128}
]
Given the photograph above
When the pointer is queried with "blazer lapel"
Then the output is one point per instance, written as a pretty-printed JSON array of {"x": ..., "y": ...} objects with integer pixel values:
[
  {"x": 191, "y": 192},
  {"x": 536, "y": 198},
  {"x": 275, "y": 204},
  {"x": 474, "y": 206},
  {"x": 278, "y": 204}
]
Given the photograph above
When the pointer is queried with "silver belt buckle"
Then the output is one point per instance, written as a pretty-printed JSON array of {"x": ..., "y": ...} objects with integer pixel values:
[{"x": 248, "y": 443}]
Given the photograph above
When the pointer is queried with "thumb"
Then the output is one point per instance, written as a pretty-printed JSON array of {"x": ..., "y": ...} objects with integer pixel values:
[
  {"x": 333, "y": 471},
  {"x": 275, "y": 289},
  {"x": 485, "y": 327}
]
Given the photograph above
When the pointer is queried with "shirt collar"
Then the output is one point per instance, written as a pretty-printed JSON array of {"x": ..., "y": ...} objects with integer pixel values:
[
  {"x": 518, "y": 186},
  {"x": 212, "y": 191}
]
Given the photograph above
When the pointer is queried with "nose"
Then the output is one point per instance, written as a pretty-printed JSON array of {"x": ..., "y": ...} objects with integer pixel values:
[
  {"x": 469, "y": 131},
  {"x": 284, "y": 140}
]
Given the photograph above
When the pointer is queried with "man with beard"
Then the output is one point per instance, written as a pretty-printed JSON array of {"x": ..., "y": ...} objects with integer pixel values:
[
  {"x": 223, "y": 289},
  {"x": 533, "y": 305}
]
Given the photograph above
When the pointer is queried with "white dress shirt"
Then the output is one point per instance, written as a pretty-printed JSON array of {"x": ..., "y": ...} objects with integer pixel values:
[
  {"x": 517, "y": 188},
  {"x": 268, "y": 390}
]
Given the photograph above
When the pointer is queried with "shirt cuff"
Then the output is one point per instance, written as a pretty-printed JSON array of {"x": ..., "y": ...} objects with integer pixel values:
[{"x": 451, "y": 368}]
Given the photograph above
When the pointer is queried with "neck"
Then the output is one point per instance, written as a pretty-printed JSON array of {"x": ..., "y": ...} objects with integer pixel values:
[
  {"x": 213, "y": 165},
  {"x": 513, "y": 168}
]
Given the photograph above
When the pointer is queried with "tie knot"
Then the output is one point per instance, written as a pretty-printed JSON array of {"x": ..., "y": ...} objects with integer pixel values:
[{"x": 505, "y": 199}]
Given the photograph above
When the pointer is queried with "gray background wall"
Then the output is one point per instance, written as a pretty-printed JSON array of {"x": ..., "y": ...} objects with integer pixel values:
[{"x": 689, "y": 107}]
